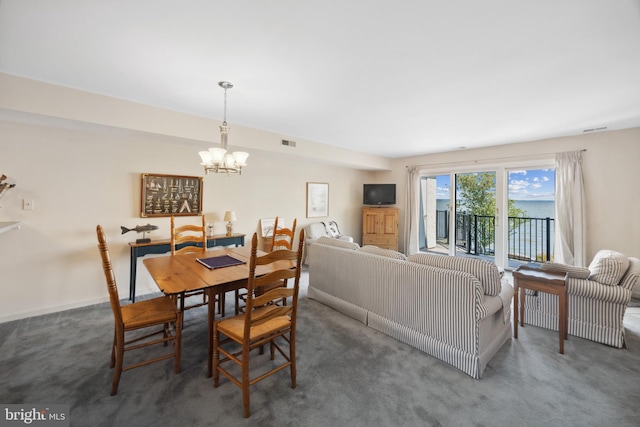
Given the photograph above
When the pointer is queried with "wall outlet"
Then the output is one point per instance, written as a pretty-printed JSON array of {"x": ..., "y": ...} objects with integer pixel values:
[{"x": 28, "y": 204}]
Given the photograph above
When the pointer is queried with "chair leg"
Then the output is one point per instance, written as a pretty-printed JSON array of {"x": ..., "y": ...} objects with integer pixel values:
[
  {"x": 177, "y": 342},
  {"x": 181, "y": 308},
  {"x": 216, "y": 357},
  {"x": 113, "y": 350},
  {"x": 245, "y": 380},
  {"x": 119, "y": 356},
  {"x": 292, "y": 357},
  {"x": 222, "y": 300}
]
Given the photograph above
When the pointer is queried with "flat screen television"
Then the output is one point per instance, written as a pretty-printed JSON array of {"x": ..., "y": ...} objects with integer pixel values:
[{"x": 379, "y": 194}]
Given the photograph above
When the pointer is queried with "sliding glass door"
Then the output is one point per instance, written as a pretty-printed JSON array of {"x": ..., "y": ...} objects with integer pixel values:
[
  {"x": 475, "y": 221},
  {"x": 434, "y": 211},
  {"x": 502, "y": 213},
  {"x": 531, "y": 215}
]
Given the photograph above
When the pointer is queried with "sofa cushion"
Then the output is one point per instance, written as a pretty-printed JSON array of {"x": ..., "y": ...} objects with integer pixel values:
[
  {"x": 608, "y": 267},
  {"x": 631, "y": 276},
  {"x": 486, "y": 271},
  {"x": 337, "y": 242},
  {"x": 572, "y": 271},
  {"x": 390, "y": 253}
]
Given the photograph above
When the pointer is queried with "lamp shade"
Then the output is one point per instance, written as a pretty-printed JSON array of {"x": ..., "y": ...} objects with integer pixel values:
[
  {"x": 241, "y": 158},
  {"x": 229, "y": 160},
  {"x": 230, "y": 216},
  {"x": 217, "y": 154},
  {"x": 206, "y": 157}
]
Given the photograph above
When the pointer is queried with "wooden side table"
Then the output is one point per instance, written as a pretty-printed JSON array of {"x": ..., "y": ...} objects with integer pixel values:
[{"x": 542, "y": 281}]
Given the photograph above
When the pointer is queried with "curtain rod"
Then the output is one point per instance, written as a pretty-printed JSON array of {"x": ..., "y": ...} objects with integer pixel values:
[{"x": 495, "y": 158}]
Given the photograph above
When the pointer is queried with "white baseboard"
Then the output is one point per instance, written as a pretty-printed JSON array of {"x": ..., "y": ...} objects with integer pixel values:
[{"x": 55, "y": 309}]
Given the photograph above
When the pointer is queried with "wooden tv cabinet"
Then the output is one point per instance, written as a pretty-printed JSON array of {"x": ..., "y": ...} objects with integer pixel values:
[{"x": 380, "y": 227}]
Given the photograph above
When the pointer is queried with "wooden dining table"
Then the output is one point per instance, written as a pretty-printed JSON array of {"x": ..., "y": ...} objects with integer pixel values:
[{"x": 177, "y": 274}]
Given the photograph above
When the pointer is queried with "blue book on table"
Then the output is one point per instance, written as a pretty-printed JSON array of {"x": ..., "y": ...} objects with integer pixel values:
[{"x": 219, "y": 261}]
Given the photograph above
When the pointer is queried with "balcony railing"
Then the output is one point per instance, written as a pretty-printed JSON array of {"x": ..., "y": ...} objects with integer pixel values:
[{"x": 530, "y": 239}]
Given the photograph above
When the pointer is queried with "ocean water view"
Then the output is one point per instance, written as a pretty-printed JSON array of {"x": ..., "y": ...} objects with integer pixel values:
[
  {"x": 533, "y": 208},
  {"x": 537, "y": 208}
]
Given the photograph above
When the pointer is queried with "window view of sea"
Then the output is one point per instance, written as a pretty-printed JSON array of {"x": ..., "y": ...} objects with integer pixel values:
[
  {"x": 537, "y": 208},
  {"x": 533, "y": 208}
]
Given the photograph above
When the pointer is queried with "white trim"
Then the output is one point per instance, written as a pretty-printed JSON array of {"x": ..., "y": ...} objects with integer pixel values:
[{"x": 55, "y": 309}]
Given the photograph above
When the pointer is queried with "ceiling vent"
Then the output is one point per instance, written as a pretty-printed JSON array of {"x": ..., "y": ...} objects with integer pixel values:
[
  {"x": 594, "y": 129},
  {"x": 288, "y": 143}
]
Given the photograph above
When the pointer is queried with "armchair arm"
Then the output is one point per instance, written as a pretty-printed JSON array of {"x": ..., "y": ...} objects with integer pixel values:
[
  {"x": 572, "y": 271},
  {"x": 596, "y": 290}
]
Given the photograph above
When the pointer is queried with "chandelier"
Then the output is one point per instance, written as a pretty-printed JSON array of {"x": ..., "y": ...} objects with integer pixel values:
[{"x": 216, "y": 159}]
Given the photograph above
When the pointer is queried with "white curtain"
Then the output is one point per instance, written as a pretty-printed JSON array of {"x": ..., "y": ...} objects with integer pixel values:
[
  {"x": 412, "y": 212},
  {"x": 569, "y": 221}
]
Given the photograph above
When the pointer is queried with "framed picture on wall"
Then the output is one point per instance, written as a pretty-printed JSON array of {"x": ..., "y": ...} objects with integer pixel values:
[
  {"x": 317, "y": 199},
  {"x": 171, "y": 195}
]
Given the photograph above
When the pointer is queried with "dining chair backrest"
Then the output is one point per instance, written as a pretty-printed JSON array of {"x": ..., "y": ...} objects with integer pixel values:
[
  {"x": 256, "y": 298},
  {"x": 283, "y": 237},
  {"x": 188, "y": 236},
  {"x": 114, "y": 297}
]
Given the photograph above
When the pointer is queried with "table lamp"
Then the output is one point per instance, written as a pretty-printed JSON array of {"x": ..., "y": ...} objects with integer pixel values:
[{"x": 230, "y": 216}]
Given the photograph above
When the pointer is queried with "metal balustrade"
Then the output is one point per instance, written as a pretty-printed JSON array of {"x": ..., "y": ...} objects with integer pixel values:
[{"x": 530, "y": 239}]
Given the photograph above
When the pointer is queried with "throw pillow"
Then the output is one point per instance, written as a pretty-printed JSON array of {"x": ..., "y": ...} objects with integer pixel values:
[
  {"x": 332, "y": 229},
  {"x": 575, "y": 272},
  {"x": 631, "y": 276},
  {"x": 608, "y": 267},
  {"x": 390, "y": 253}
]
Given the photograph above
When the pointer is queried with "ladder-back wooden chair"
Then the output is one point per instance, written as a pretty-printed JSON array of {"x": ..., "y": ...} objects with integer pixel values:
[
  {"x": 157, "y": 312},
  {"x": 185, "y": 239},
  {"x": 282, "y": 239},
  {"x": 262, "y": 322}
]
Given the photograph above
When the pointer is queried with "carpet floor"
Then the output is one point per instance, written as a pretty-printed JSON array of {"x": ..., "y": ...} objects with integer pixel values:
[{"x": 348, "y": 375}]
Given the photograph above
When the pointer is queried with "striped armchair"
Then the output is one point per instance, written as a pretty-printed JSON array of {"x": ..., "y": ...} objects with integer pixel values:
[
  {"x": 598, "y": 298},
  {"x": 321, "y": 230}
]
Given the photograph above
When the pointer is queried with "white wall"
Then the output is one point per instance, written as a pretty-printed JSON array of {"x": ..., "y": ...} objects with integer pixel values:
[
  {"x": 611, "y": 176},
  {"x": 83, "y": 175},
  {"x": 79, "y": 156}
]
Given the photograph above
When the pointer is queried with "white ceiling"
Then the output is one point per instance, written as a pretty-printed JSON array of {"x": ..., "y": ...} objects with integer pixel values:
[{"x": 394, "y": 78}]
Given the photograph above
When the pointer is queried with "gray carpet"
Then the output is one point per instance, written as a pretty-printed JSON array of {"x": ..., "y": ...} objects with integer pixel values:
[{"x": 348, "y": 374}]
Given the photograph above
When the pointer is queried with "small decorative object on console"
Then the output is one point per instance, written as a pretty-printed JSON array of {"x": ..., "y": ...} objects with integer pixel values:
[
  {"x": 144, "y": 229},
  {"x": 230, "y": 216}
]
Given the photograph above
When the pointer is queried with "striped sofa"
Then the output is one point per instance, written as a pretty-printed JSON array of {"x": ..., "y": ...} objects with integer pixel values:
[
  {"x": 598, "y": 298},
  {"x": 455, "y": 309}
]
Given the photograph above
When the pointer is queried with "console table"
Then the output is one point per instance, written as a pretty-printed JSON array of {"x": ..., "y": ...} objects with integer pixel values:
[
  {"x": 164, "y": 246},
  {"x": 542, "y": 281}
]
